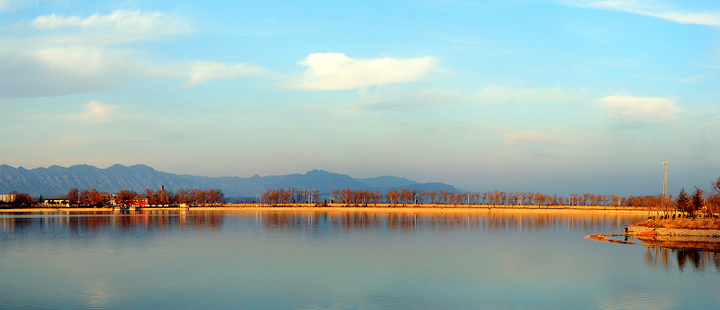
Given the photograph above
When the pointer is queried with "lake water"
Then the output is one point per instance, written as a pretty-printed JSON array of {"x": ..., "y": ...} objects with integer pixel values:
[{"x": 341, "y": 260}]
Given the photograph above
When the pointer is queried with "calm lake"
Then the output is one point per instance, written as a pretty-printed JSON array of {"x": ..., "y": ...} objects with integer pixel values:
[{"x": 341, "y": 260}]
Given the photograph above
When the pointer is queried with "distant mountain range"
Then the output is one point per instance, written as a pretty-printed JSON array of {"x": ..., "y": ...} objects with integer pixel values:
[{"x": 56, "y": 181}]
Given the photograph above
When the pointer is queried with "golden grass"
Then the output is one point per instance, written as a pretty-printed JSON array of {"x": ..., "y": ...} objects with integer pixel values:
[{"x": 682, "y": 223}]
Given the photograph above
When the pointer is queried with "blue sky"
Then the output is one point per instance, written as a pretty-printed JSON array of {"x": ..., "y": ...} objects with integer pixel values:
[{"x": 552, "y": 96}]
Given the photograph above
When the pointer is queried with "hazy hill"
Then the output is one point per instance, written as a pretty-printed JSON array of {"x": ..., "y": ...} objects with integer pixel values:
[{"x": 56, "y": 181}]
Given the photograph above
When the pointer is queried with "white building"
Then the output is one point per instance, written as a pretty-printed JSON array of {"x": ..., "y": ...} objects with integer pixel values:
[{"x": 7, "y": 198}]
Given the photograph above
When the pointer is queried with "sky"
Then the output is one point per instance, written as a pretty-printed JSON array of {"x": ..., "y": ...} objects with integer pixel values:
[{"x": 558, "y": 97}]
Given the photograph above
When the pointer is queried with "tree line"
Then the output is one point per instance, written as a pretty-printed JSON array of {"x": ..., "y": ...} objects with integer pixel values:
[
  {"x": 689, "y": 204},
  {"x": 450, "y": 197},
  {"x": 95, "y": 198}
]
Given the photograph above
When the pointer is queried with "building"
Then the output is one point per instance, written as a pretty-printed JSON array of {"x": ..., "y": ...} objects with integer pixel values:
[
  {"x": 7, "y": 198},
  {"x": 135, "y": 202}
]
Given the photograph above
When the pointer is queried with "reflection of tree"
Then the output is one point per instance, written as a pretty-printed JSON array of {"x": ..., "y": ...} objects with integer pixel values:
[
  {"x": 392, "y": 221},
  {"x": 698, "y": 258},
  {"x": 94, "y": 222}
]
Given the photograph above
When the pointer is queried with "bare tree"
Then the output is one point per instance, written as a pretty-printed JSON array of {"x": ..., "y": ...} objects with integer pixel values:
[
  {"x": 124, "y": 196},
  {"x": 72, "y": 196},
  {"x": 716, "y": 185},
  {"x": 393, "y": 196}
]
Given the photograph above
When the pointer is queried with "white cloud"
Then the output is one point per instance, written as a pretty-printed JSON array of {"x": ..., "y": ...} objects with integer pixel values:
[
  {"x": 656, "y": 10},
  {"x": 78, "y": 59},
  {"x": 502, "y": 94},
  {"x": 92, "y": 112},
  {"x": 98, "y": 112},
  {"x": 519, "y": 137},
  {"x": 59, "y": 70},
  {"x": 204, "y": 71},
  {"x": 90, "y": 55},
  {"x": 639, "y": 109},
  {"x": 334, "y": 71},
  {"x": 119, "y": 21},
  {"x": 10, "y": 5}
]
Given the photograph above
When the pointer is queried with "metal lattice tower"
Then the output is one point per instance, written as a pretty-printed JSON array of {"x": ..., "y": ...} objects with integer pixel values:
[{"x": 665, "y": 181}]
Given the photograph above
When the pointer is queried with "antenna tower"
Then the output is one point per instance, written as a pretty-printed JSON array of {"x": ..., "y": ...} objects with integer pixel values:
[{"x": 665, "y": 181}]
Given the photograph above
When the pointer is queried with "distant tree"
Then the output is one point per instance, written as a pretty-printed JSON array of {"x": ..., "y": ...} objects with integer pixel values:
[
  {"x": 152, "y": 196},
  {"x": 315, "y": 197},
  {"x": 406, "y": 196},
  {"x": 72, "y": 196},
  {"x": 165, "y": 197},
  {"x": 697, "y": 200},
  {"x": 183, "y": 196},
  {"x": 346, "y": 196},
  {"x": 124, "y": 196},
  {"x": 683, "y": 202},
  {"x": 475, "y": 197},
  {"x": 22, "y": 200},
  {"x": 716, "y": 185},
  {"x": 335, "y": 195},
  {"x": 713, "y": 203},
  {"x": 432, "y": 196},
  {"x": 527, "y": 197},
  {"x": 376, "y": 197},
  {"x": 97, "y": 198},
  {"x": 393, "y": 196},
  {"x": 215, "y": 196},
  {"x": 198, "y": 196},
  {"x": 539, "y": 198},
  {"x": 83, "y": 197}
]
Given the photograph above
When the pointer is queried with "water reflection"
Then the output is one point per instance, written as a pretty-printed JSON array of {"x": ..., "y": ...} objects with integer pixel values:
[
  {"x": 667, "y": 257},
  {"x": 337, "y": 260},
  {"x": 406, "y": 221},
  {"x": 151, "y": 220},
  {"x": 89, "y": 223}
]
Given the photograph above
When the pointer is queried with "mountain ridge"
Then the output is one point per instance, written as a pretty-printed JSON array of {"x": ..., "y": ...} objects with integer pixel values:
[{"x": 55, "y": 181}]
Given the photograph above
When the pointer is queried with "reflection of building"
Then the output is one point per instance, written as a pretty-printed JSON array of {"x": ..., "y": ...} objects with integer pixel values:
[
  {"x": 7, "y": 198},
  {"x": 139, "y": 202},
  {"x": 136, "y": 202},
  {"x": 63, "y": 202}
]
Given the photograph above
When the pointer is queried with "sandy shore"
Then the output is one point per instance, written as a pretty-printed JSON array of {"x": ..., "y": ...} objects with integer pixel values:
[{"x": 385, "y": 208}]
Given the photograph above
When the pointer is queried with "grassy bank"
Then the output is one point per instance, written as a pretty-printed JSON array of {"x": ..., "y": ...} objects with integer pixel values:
[{"x": 682, "y": 223}]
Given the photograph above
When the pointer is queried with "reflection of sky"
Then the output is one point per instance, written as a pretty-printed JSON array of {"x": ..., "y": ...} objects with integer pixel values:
[{"x": 250, "y": 261}]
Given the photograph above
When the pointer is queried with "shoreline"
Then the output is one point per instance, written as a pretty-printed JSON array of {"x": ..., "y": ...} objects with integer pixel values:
[{"x": 388, "y": 208}]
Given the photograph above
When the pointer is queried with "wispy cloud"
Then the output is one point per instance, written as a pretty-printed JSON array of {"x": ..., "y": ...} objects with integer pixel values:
[
  {"x": 640, "y": 109},
  {"x": 335, "y": 71},
  {"x": 529, "y": 137},
  {"x": 204, "y": 71},
  {"x": 400, "y": 98},
  {"x": 120, "y": 21},
  {"x": 652, "y": 8},
  {"x": 502, "y": 93}
]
